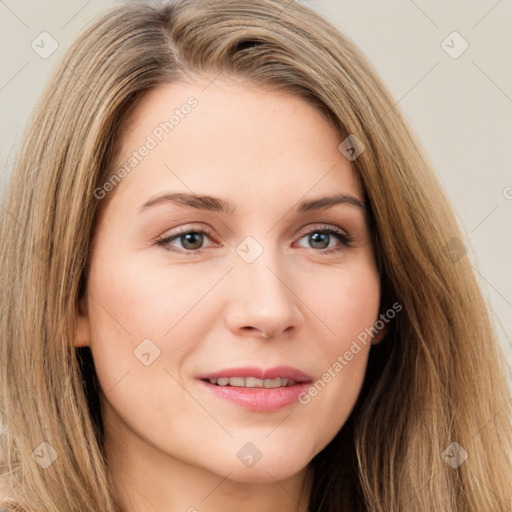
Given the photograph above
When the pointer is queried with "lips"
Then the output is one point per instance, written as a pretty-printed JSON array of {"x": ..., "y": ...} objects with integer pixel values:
[{"x": 257, "y": 389}]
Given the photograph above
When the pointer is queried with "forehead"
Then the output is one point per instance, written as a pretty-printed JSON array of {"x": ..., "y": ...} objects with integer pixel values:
[{"x": 209, "y": 133}]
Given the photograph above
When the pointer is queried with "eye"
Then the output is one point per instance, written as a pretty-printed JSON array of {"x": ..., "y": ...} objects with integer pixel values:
[
  {"x": 325, "y": 237},
  {"x": 191, "y": 240}
]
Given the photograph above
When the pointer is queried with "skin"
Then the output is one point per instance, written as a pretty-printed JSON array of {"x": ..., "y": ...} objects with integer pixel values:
[{"x": 172, "y": 444}]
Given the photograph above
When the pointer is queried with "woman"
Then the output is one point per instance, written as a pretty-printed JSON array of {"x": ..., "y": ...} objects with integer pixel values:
[{"x": 229, "y": 283}]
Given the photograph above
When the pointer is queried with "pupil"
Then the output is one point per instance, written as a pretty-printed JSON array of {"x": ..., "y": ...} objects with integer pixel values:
[
  {"x": 193, "y": 239},
  {"x": 321, "y": 238}
]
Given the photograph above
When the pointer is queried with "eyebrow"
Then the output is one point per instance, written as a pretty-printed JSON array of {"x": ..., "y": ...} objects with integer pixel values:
[{"x": 218, "y": 205}]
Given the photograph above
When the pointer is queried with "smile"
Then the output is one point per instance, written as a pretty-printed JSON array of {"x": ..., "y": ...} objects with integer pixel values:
[
  {"x": 252, "y": 382},
  {"x": 257, "y": 389}
]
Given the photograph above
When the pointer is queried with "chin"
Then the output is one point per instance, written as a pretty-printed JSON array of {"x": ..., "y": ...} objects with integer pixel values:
[
  {"x": 263, "y": 475},
  {"x": 277, "y": 467}
]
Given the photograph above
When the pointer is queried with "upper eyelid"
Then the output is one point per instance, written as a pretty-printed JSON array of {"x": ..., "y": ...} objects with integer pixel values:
[{"x": 321, "y": 227}]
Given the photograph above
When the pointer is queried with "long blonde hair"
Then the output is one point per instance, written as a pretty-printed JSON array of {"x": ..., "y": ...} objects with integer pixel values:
[{"x": 439, "y": 376}]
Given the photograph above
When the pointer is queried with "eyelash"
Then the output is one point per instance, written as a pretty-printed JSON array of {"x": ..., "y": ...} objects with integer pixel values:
[{"x": 346, "y": 240}]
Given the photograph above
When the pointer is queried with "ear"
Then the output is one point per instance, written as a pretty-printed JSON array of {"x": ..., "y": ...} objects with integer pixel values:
[
  {"x": 82, "y": 334},
  {"x": 381, "y": 334}
]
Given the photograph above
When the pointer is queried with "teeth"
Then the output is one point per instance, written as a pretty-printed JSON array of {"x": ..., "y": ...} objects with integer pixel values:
[
  {"x": 274, "y": 383},
  {"x": 252, "y": 382}
]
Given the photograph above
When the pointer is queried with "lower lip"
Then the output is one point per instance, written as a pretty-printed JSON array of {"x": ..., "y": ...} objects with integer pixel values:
[{"x": 259, "y": 399}]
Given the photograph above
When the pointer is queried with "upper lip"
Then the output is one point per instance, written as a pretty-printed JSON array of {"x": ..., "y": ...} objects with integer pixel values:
[{"x": 286, "y": 372}]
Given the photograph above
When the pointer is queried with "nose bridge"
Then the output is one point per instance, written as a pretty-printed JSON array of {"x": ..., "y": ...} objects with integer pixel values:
[{"x": 261, "y": 295}]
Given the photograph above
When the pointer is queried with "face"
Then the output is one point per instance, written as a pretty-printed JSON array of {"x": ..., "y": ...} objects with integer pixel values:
[{"x": 257, "y": 285}]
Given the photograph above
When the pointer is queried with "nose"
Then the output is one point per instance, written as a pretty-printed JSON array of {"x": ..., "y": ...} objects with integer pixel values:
[{"x": 262, "y": 301}]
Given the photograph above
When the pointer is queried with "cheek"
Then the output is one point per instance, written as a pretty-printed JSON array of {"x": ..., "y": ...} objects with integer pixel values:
[
  {"x": 349, "y": 306},
  {"x": 345, "y": 300},
  {"x": 126, "y": 310},
  {"x": 142, "y": 301},
  {"x": 357, "y": 307},
  {"x": 143, "y": 314},
  {"x": 142, "y": 327}
]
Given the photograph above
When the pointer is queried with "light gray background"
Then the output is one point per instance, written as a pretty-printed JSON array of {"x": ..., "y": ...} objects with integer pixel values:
[{"x": 460, "y": 107}]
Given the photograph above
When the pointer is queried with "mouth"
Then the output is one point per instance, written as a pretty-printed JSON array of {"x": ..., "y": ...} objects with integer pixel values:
[
  {"x": 251, "y": 382},
  {"x": 256, "y": 389}
]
